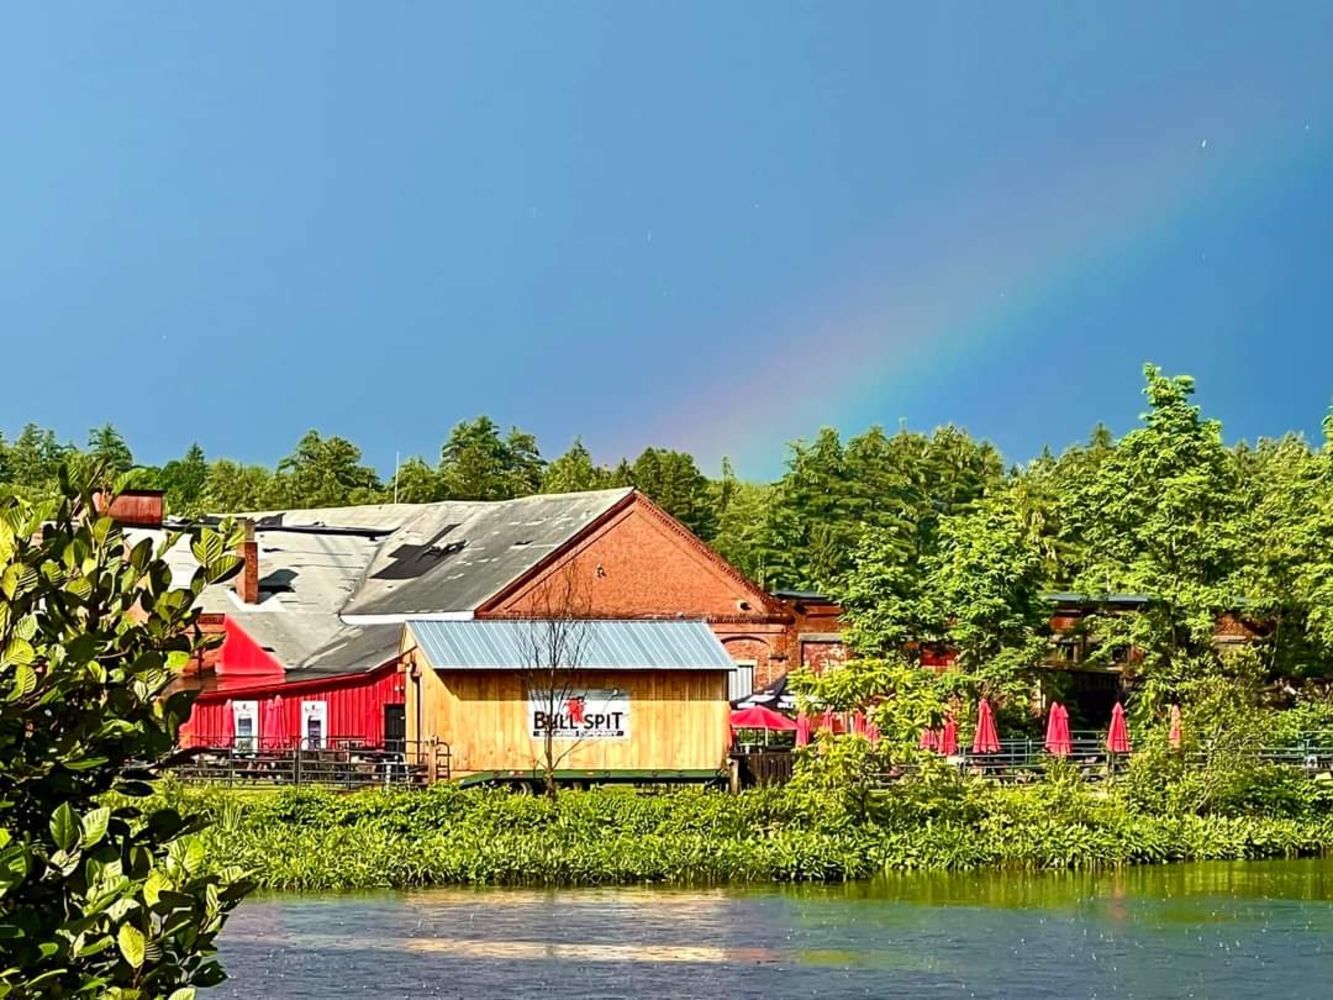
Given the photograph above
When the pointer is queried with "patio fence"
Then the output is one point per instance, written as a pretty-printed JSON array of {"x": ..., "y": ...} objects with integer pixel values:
[{"x": 332, "y": 763}]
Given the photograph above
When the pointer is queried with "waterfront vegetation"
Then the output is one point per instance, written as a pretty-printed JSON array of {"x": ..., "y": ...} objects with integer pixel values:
[{"x": 1154, "y": 812}]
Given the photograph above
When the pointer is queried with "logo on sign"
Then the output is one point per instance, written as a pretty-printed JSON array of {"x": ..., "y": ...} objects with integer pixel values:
[{"x": 579, "y": 715}]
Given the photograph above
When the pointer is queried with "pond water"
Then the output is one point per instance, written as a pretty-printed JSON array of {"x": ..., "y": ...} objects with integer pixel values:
[{"x": 1259, "y": 929}]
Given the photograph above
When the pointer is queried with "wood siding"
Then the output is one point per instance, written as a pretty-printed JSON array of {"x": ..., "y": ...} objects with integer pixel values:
[{"x": 678, "y": 720}]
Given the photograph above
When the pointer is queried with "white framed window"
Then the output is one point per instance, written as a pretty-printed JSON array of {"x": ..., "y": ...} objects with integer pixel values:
[
  {"x": 314, "y": 724},
  {"x": 740, "y": 680},
  {"x": 245, "y": 725}
]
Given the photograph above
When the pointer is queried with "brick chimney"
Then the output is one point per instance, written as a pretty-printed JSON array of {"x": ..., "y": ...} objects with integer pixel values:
[
  {"x": 247, "y": 581},
  {"x": 131, "y": 508}
]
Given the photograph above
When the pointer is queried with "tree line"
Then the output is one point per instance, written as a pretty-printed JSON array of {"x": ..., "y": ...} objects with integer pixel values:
[
  {"x": 1203, "y": 533},
  {"x": 927, "y": 538},
  {"x": 798, "y": 531}
]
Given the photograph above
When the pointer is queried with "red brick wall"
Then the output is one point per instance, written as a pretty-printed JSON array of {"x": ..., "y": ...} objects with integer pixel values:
[{"x": 640, "y": 564}]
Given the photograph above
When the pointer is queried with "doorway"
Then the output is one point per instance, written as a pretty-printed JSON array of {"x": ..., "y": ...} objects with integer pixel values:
[{"x": 395, "y": 728}]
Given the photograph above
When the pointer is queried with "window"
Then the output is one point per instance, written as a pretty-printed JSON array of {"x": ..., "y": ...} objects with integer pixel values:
[
  {"x": 740, "y": 680},
  {"x": 314, "y": 724},
  {"x": 245, "y": 725}
]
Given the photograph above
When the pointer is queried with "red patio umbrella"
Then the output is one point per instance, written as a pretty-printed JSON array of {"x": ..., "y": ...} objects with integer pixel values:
[
  {"x": 948, "y": 744},
  {"x": 929, "y": 740},
  {"x": 802, "y": 730},
  {"x": 1117, "y": 738},
  {"x": 829, "y": 721},
  {"x": 985, "y": 739},
  {"x": 1174, "y": 737},
  {"x": 859, "y": 723},
  {"x": 1057, "y": 731},
  {"x": 759, "y": 717}
]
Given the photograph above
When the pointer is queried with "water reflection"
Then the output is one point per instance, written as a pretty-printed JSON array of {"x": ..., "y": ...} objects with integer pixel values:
[{"x": 1214, "y": 930}]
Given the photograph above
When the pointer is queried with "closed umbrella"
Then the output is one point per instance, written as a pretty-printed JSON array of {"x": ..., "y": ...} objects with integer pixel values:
[
  {"x": 1066, "y": 741},
  {"x": 1058, "y": 742},
  {"x": 1174, "y": 737},
  {"x": 1117, "y": 738},
  {"x": 1053, "y": 729},
  {"x": 929, "y": 740},
  {"x": 948, "y": 744},
  {"x": 858, "y": 723},
  {"x": 829, "y": 721},
  {"x": 872, "y": 731},
  {"x": 802, "y": 730},
  {"x": 985, "y": 739}
]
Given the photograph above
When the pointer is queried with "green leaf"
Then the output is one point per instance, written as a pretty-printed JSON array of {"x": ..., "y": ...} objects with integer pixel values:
[
  {"x": 19, "y": 651},
  {"x": 65, "y": 827},
  {"x": 154, "y": 886},
  {"x": 85, "y": 764},
  {"x": 184, "y": 993},
  {"x": 94, "y": 825},
  {"x": 25, "y": 682},
  {"x": 131, "y": 943}
]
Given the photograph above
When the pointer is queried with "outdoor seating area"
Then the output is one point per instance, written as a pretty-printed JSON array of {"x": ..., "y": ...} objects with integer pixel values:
[
  {"x": 763, "y": 741},
  {"x": 345, "y": 764}
]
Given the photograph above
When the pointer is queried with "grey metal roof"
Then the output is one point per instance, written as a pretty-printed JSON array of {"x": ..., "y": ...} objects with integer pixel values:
[
  {"x": 452, "y": 556},
  {"x": 355, "y": 648},
  {"x": 405, "y": 559},
  {"x": 509, "y": 644}
]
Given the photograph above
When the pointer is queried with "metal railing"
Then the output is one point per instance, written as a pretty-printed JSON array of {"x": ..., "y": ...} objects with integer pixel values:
[
  {"x": 333, "y": 763},
  {"x": 1019, "y": 758}
]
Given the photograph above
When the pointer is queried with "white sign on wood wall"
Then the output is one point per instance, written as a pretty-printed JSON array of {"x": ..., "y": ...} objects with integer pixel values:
[{"x": 593, "y": 714}]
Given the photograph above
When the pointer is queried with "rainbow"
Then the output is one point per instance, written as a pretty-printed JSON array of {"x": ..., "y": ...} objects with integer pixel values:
[{"x": 904, "y": 324}]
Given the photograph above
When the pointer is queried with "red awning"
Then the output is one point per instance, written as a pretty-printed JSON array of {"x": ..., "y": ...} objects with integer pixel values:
[{"x": 759, "y": 717}]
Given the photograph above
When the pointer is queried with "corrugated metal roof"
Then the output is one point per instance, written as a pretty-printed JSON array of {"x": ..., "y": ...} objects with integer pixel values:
[{"x": 501, "y": 644}]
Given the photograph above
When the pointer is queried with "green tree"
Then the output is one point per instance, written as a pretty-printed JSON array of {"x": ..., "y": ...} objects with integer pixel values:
[
  {"x": 476, "y": 463},
  {"x": 1169, "y": 525},
  {"x": 326, "y": 472},
  {"x": 416, "y": 482},
  {"x": 107, "y": 447},
  {"x": 184, "y": 480},
  {"x": 673, "y": 482},
  {"x": 98, "y": 898},
  {"x": 34, "y": 458},
  {"x": 574, "y": 472},
  {"x": 231, "y": 486},
  {"x": 742, "y": 511}
]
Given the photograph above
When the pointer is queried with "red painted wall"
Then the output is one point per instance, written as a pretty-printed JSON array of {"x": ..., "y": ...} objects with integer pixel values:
[
  {"x": 356, "y": 709},
  {"x": 242, "y": 662}
]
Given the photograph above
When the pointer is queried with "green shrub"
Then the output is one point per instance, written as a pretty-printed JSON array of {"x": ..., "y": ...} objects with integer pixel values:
[{"x": 312, "y": 840}]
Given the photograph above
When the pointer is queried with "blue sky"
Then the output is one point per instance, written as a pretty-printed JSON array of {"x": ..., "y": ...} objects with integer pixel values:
[{"x": 706, "y": 226}]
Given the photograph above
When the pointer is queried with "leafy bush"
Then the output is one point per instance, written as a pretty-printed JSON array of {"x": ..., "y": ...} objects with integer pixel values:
[
  {"x": 311, "y": 840},
  {"x": 97, "y": 897}
]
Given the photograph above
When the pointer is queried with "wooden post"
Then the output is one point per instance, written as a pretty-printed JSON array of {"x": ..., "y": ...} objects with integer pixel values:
[
  {"x": 432, "y": 764},
  {"x": 734, "y": 775}
]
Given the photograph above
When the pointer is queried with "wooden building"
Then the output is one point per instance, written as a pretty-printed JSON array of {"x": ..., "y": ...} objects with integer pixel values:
[{"x": 630, "y": 700}]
